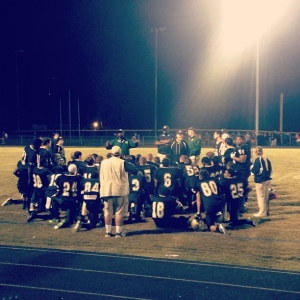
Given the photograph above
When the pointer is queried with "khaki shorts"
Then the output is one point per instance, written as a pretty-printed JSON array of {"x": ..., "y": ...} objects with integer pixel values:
[{"x": 115, "y": 206}]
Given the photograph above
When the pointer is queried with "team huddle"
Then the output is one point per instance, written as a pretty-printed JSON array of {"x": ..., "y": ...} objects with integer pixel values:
[{"x": 88, "y": 192}]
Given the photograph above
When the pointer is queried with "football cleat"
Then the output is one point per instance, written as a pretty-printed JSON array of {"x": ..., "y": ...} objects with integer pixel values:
[
  {"x": 252, "y": 222},
  {"x": 108, "y": 234},
  {"x": 61, "y": 224},
  {"x": 6, "y": 202},
  {"x": 222, "y": 229},
  {"x": 31, "y": 217},
  {"x": 77, "y": 226}
]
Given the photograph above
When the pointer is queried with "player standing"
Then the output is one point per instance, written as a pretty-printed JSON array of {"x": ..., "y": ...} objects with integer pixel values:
[
  {"x": 164, "y": 142},
  {"x": 194, "y": 144}
]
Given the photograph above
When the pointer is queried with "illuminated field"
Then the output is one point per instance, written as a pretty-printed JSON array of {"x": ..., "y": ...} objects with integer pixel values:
[{"x": 274, "y": 243}]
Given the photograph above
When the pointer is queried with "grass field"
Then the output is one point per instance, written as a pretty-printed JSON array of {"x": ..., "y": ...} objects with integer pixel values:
[{"x": 274, "y": 243}]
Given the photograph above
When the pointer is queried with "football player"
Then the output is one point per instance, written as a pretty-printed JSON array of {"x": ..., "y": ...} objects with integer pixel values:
[
  {"x": 164, "y": 207},
  {"x": 229, "y": 152},
  {"x": 242, "y": 156},
  {"x": 54, "y": 141},
  {"x": 234, "y": 186},
  {"x": 77, "y": 160},
  {"x": 148, "y": 171},
  {"x": 45, "y": 153},
  {"x": 89, "y": 168},
  {"x": 219, "y": 146},
  {"x": 51, "y": 190},
  {"x": 40, "y": 183},
  {"x": 170, "y": 177},
  {"x": 30, "y": 160},
  {"x": 58, "y": 148},
  {"x": 136, "y": 198},
  {"x": 90, "y": 188},
  {"x": 22, "y": 173},
  {"x": 67, "y": 196},
  {"x": 190, "y": 179},
  {"x": 149, "y": 157},
  {"x": 209, "y": 195},
  {"x": 213, "y": 169}
]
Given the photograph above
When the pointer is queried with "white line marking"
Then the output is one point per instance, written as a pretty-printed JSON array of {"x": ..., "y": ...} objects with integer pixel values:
[
  {"x": 155, "y": 277},
  {"x": 68, "y": 291},
  {"x": 153, "y": 259}
]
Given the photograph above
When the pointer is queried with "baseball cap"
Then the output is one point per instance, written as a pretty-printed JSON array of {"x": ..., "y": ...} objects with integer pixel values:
[
  {"x": 165, "y": 128},
  {"x": 60, "y": 138},
  {"x": 120, "y": 131},
  {"x": 72, "y": 168},
  {"x": 192, "y": 128},
  {"x": 179, "y": 132},
  {"x": 116, "y": 150}
]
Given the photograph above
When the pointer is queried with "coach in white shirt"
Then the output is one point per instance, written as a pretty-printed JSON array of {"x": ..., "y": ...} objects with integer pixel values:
[{"x": 114, "y": 189}]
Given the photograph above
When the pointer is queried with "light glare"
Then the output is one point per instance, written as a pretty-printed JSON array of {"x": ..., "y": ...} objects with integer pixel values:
[{"x": 245, "y": 21}]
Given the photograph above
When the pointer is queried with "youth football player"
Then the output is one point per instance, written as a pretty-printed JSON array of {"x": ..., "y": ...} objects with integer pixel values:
[
  {"x": 234, "y": 186},
  {"x": 67, "y": 196},
  {"x": 40, "y": 183},
  {"x": 208, "y": 193},
  {"x": 163, "y": 208},
  {"x": 170, "y": 177}
]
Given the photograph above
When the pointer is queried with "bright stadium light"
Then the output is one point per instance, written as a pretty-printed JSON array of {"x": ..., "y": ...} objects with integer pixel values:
[
  {"x": 245, "y": 21},
  {"x": 243, "y": 24}
]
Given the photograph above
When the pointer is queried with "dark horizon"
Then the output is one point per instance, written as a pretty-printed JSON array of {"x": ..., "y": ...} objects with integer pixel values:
[{"x": 104, "y": 53}]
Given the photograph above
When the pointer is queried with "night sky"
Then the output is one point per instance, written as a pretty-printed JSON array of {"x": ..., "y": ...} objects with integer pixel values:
[{"x": 103, "y": 52}]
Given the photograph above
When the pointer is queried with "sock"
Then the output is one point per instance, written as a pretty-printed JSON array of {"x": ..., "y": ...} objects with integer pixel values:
[
  {"x": 108, "y": 228},
  {"x": 118, "y": 229}
]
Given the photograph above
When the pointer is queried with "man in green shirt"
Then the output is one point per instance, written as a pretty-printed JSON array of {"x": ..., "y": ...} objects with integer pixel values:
[
  {"x": 122, "y": 142},
  {"x": 194, "y": 144}
]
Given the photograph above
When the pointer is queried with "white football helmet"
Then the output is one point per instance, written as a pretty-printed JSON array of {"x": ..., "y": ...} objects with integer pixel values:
[{"x": 198, "y": 225}]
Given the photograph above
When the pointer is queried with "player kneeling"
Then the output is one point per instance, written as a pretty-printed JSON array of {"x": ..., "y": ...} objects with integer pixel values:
[
  {"x": 90, "y": 188},
  {"x": 164, "y": 207},
  {"x": 208, "y": 194},
  {"x": 137, "y": 184}
]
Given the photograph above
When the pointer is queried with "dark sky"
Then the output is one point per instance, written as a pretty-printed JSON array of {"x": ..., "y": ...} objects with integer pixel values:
[{"x": 103, "y": 51}]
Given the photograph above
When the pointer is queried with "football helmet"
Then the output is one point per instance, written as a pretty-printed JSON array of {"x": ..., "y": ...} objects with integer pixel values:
[
  {"x": 272, "y": 194},
  {"x": 197, "y": 224}
]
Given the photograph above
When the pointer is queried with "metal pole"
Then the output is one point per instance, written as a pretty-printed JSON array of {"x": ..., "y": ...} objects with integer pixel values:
[
  {"x": 155, "y": 86},
  {"x": 281, "y": 116},
  {"x": 257, "y": 91},
  {"x": 155, "y": 30},
  {"x": 79, "y": 134},
  {"x": 281, "y": 113},
  {"x": 60, "y": 117},
  {"x": 17, "y": 91},
  {"x": 70, "y": 114}
]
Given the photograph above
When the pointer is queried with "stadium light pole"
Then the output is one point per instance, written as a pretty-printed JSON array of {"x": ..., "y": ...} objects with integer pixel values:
[
  {"x": 17, "y": 52},
  {"x": 155, "y": 30},
  {"x": 257, "y": 91}
]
